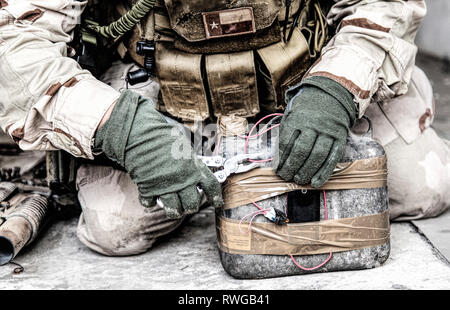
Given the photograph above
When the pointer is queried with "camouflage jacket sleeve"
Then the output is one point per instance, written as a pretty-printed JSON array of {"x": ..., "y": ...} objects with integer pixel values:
[
  {"x": 47, "y": 101},
  {"x": 373, "y": 51}
]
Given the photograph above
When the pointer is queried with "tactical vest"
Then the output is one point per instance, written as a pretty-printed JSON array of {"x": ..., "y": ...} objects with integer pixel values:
[{"x": 220, "y": 57}]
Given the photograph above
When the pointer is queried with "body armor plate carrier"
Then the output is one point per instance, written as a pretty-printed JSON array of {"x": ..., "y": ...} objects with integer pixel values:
[{"x": 215, "y": 58}]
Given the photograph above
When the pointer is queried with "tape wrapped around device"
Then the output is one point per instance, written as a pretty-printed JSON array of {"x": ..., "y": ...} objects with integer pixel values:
[
  {"x": 311, "y": 238},
  {"x": 263, "y": 183}
]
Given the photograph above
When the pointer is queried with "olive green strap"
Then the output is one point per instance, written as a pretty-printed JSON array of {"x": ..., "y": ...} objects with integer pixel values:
[
  {"x": 126, "y": 22},
  {"x": 86, "y": 35}
]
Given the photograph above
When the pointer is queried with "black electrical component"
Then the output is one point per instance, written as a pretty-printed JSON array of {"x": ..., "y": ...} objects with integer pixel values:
[
  {"x": 280, "y": 218},
  {"x": 304, "y": 206},
  {"x": 146, "y": 49}
]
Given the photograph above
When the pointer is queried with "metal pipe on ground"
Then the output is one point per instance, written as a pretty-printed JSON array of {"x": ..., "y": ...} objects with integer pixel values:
[
  {"x": 6, "y": 189},
  {"x": 21, "y": 226}
]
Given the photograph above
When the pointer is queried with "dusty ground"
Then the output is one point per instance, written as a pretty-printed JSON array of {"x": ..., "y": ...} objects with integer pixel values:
[{"x": 189, "y": 259}]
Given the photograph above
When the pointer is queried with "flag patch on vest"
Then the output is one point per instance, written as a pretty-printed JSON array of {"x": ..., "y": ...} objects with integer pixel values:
[{"x": 227, "y": 23}]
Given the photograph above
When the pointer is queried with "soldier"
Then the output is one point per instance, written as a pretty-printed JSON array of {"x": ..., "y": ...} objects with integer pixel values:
[{"x": 331, "y": 61}]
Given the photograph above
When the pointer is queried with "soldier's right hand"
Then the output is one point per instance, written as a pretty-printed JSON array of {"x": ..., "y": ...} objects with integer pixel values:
[{"x": 158, "y": 157}]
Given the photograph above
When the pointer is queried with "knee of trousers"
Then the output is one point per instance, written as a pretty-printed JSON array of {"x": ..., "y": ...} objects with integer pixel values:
[
  {"x": 113, "y": 222},
  {"x": 418, "y": 177}
]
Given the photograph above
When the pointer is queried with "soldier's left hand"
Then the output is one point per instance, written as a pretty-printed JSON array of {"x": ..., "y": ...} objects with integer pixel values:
[{"x": 313, "y": 132}]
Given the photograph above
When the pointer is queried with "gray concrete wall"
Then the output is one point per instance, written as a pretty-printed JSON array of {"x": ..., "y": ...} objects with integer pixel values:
[{"x": 434, "y": 35}]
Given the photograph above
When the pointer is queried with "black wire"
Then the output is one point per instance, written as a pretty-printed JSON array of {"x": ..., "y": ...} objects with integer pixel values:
[
  {"x": 294, "y": 23},
  {"x": 286, "y": 19},
  {"x": 18, "y": 269}
]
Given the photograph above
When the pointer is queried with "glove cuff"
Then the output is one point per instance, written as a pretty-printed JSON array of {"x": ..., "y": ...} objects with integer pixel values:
[
  {"x": 112, "y": 137},
  {"x": 339, "y": 92}
]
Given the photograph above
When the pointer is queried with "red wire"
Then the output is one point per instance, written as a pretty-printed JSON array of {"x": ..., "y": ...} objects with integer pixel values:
[
  {"x": 257, "y": 205},
  {"x": 262, "y": 211},
  {"x": 247, "y": 138},
  {"x": 331, "y": 253},
  {"x": 259, "y": 133}
]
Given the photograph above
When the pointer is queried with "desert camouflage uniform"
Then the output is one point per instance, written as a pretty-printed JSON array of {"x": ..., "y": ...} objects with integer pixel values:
[{"x": 48, "y": 102}]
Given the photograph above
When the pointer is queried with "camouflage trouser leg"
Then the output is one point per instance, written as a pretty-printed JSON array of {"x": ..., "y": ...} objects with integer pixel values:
[
  {"x": 418, "y": 160},
  {"x": 419, "y": 177},
  {"x": 113, "y": 222}
]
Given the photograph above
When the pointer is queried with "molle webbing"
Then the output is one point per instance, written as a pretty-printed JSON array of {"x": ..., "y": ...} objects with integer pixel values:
[
  {"x": 242, "y": 74},
  {"x": 285, "y": 65},
  {"x": 312, "y": 238},
  {"x": 228, "y": 79},
  {"x": 232, "y": 83},
  {"x": 182, "y": 87},
  {"x": 263, "y": 183},
  {"x": 171, "y": 16}
]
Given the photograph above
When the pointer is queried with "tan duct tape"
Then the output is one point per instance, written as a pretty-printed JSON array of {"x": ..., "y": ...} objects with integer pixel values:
[
  {"x": 263, "y": 183},
  {"x": 304, "y": 238}
]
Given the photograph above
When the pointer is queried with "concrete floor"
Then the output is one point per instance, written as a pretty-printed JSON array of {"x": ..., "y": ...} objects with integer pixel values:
[{"x": 189, "y": 259}]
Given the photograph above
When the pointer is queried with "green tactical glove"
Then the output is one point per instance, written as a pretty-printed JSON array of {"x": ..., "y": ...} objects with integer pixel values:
[
  {"x": 140, "y": 139},
  {"x": 313, "y": 132}
]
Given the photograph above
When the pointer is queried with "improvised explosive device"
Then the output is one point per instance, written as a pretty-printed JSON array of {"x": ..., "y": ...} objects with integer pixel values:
[{"x": 268, "y": 227}]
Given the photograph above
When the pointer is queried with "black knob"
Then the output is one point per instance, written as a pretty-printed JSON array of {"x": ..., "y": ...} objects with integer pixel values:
[
  {"x": 137, "y": 76},
  {"x": 145, "y": 47}
]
